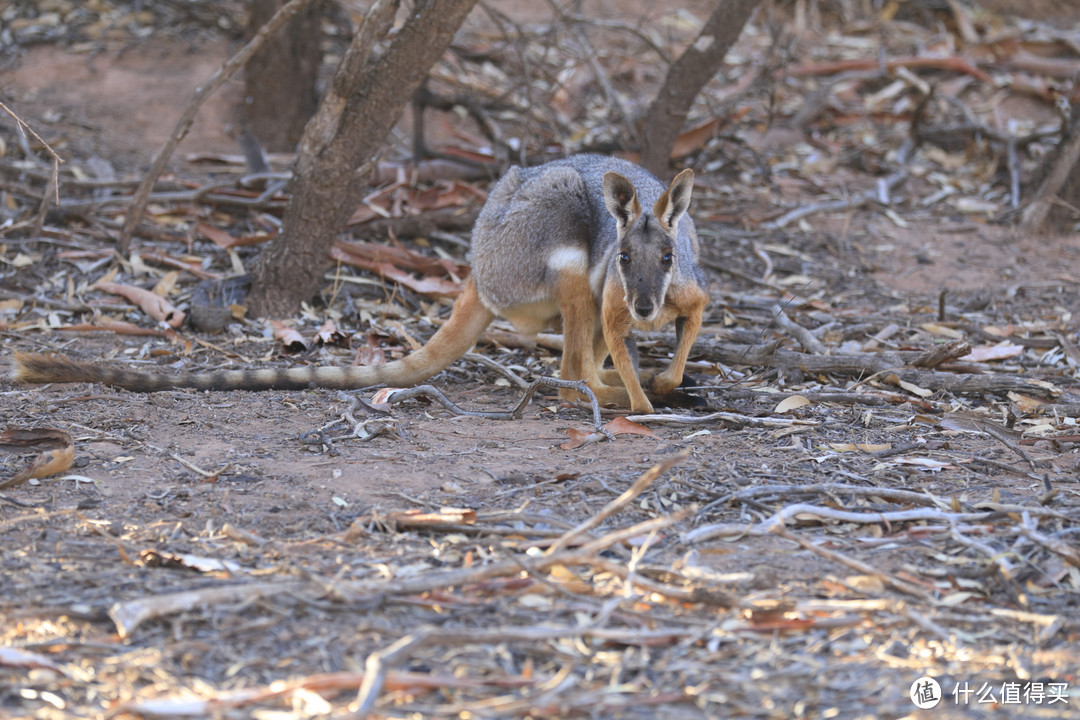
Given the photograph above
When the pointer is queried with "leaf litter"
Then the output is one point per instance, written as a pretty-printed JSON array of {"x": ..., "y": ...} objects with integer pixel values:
[{"x": 837, "y": 524}]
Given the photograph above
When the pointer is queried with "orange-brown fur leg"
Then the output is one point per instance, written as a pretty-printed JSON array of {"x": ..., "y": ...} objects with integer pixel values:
[
  {"x": 616, "y": 320},
  {"x": 580, "y": 320},
  {"x": 690, "y": 302}
]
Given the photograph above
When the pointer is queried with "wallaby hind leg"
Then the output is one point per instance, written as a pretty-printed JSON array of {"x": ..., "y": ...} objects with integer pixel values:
[
  {"x": 610, "y": 376},
  {"x": 579, "y": 321}
]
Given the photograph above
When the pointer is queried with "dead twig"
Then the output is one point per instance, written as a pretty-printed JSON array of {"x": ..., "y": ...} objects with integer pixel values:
[
  {"x": 879, "y": 194},
  {"x": 857, "y": 565},
  {"x": 52, "y": 191},
  {"x": 789, "y": 512},
  {"x": 620, "y": 502},
  {"x": 804, "y": 337},
  {"x": 731, "y": 419},
  {"x": 499, "y": 368}
]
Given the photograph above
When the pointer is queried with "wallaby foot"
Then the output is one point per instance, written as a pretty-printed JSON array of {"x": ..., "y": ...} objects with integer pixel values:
[
  {"x": 606, "y": 395},
  {"x": 664, "y": 383}
]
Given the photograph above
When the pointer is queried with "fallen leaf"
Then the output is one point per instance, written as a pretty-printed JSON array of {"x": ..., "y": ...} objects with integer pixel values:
[
  {"x": 329, "y": 334},
  {"x": 1028, "y": 405},
  {"x": 1001, "y": 351},
  {"x": 219, "y": 237},
  {"x": 914, "y": 389},
  {"x": 424, "y": 285},
  {"x": 618, "y": 426},
  {"x": 792, "y": 402},
  {"x": 866, "y": 583},
  {"x": 55, "y": 452},
  {"x": 861, "y": 447},
  {"x": 166, "y": 284},
  {"x": 153, "y": 305},
  {"x": 695, "y": 138},
  {"x": 198, "y": 563},
  {"x": 580, "y": 438},
  {"x": 923, "y": 463},
  {"x": 291, "y": 340},
  {"x": 944, "y": 330},
  {"x": 381, "y": 399},
  {"x": 403, "y": 258},
  {"x": 370, "y": 353},
  {"x": 622, "y": 426}
]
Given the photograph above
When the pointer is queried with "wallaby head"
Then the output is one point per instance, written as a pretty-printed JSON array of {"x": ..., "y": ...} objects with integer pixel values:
[{"x": 647, "y": 250}]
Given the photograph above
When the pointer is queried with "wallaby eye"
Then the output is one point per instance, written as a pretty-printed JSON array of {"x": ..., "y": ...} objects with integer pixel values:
[
  {"x": 666, "y": 259},
  {"x": 624, "y": 258}
]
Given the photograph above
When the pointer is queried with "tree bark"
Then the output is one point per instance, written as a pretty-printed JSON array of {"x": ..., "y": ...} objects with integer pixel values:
[
  {"x": 685, "y": 79},
  {"x": 280, "y": 93},
  {"x": 1054, "y": 205},
  {"x": 365, "y": 99}
]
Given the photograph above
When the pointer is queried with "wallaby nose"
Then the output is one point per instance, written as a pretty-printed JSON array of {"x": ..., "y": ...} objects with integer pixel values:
[{"x": 643, "y": 308}]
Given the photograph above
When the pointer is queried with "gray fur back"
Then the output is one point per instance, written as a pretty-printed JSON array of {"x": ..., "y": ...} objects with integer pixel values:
[{"x": 533, "y": 212}]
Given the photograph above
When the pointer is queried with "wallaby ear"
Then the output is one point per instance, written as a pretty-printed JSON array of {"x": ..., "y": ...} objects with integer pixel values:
[
  {"x": 620, "y": 199},
  {"x": 676, "y": 199}
]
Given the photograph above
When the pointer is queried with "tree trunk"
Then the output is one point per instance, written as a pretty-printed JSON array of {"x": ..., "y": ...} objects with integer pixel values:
[
  {"x": 280, "y": 94},
  {"x": 365, "y": 99},
  {"x": 1054, "y": 206},
  {"x": 686, "y": 77}
]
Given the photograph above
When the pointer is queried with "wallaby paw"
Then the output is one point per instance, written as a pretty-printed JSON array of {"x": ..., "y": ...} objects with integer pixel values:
[{"x": 664, "y": 383}]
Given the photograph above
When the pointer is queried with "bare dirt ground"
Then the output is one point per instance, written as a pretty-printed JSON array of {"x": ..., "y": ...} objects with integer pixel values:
[{"x": 836, "y": 532}]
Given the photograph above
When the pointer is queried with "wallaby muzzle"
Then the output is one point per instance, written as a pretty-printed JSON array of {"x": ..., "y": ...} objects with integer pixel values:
[{"x": 645, "y": 291}]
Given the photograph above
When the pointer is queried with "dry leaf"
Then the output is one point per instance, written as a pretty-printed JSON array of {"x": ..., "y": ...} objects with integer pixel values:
[
  {"x": 370, "y": 353},
  {"x": 291, "y": 340},
  {"x": 860, "y": 447},
  {"x": 198, "y": 563},
  {"x": 1028, "y": 405},
  {"x": 790, "y": 403},
  {"x": 329, "y": 334},
  {"x": 923, "y": 463},
  {"x": 618, "y": 426},
  {"x": 219, "y": 237},
  {"x": 1001, "y": 351},
  {"x": 579, "y": 438},
  {"x": 55, "y": 452},
  {"x": 156, "y": 307},
  {"x": 622, "y": 426},
  {"x": 910, "y": 387},
  {"x": 167, "y": 283},
  {"x": 866, "y": 583},
  {"x": 944, "y": 330},
  {"x": 424, "y": 285}
]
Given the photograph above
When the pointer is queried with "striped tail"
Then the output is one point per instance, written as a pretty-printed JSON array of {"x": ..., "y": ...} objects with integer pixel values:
[{"x": 467, "y": 323}]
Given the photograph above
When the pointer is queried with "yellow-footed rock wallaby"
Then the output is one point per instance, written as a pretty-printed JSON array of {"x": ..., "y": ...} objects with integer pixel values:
[{"x": 596, "y": 240}]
